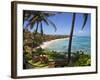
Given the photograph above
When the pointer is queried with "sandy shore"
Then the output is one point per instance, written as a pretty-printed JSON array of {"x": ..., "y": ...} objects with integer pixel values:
[{"x": 47, "y": 43}]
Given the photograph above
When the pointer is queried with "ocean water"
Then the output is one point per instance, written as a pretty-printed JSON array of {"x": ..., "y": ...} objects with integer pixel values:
[{"x": 79, "y": 43}]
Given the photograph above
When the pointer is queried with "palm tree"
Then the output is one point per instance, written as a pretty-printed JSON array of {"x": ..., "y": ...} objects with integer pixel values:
[
  {"x": 85, "y": 16},
  {"x": 37, "y": 18},
  {"x": 71, "y": 35}
]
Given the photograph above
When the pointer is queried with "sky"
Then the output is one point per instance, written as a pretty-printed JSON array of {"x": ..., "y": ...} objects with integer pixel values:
[{"x": 63, "y": 23}]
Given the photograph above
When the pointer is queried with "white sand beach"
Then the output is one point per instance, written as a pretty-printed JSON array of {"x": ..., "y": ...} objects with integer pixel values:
[{"x": 47, "y": 43}]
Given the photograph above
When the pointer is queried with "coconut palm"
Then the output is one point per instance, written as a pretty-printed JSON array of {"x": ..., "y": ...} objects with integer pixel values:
[
  {"x": 37, "y": 18},
  {"x": 85, "y": 16}
]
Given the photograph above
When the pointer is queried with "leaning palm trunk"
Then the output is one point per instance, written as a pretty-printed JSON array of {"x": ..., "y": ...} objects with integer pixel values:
[{"x": 70, "y": 40}]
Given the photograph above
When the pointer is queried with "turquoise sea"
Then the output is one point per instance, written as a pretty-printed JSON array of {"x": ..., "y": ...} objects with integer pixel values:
[{"x": 79, "y": 43}]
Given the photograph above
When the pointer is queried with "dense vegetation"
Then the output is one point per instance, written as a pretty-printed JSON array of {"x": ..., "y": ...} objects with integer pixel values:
[
  {"x": 43, "y": 58},
  {"x": 34, "y": 40}
]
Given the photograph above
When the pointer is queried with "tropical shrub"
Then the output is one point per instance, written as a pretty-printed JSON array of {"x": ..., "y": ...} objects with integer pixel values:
[{"x": 82, "y": 59}]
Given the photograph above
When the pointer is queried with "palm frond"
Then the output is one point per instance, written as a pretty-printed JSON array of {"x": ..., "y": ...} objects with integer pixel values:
[
  {"x": 53, "y": 25},
  {"x": 49, "y": 14},
  {"x": 27, "y": 25},
  {"x": 46, "y": 21},
  {"x": 37, "y": 28},
  {"x": 32, "y": 25},
  {"x": 85, "y": 16},
  {"x": 41, "y": 28},
  {"x": 32, "y": 21},
  {"x": 26, "y": 15},
  {"x": 37, "y": 17}
]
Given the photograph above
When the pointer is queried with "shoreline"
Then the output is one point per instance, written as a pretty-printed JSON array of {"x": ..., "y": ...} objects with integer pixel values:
[{"x": 47, "y": 43}]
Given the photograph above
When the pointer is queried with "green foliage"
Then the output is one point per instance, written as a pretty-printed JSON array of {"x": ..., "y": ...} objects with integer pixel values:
[
  {"x": 55, "y": 55},
  {"x": 38, "y": 64},
  {"x": 82, "y": 59},
  {"x": 27, "y": 56},
  {"x": 37, "y": 19},
  {"x": 38, "y": 51},
  {"x": 78, "y": 58}
]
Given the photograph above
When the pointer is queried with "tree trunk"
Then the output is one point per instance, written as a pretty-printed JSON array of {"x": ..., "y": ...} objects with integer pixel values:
[{"x": 70, "y": 40}]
